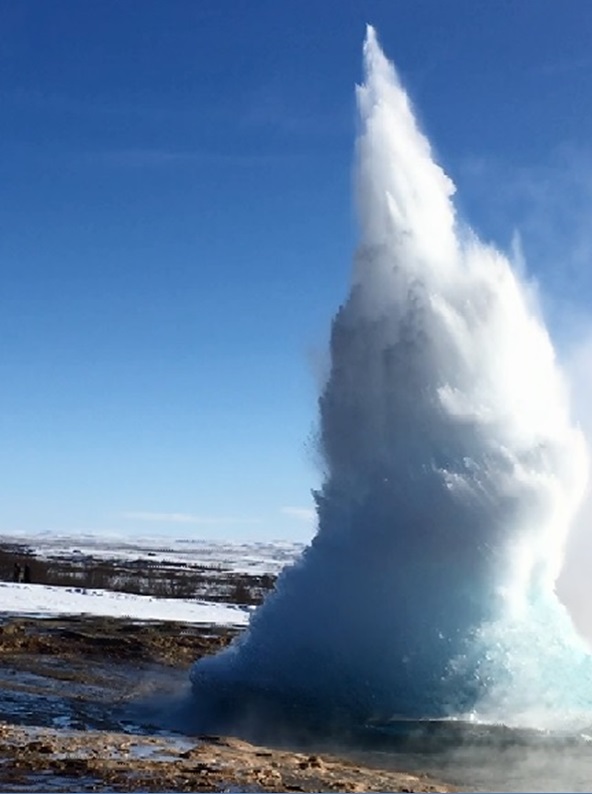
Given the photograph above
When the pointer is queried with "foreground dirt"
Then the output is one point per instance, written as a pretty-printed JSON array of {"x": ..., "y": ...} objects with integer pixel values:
[
  {"x": 92, "y": 638},
  {"x": 67, "y": 690},
  {"x": 120, "y": 762}
]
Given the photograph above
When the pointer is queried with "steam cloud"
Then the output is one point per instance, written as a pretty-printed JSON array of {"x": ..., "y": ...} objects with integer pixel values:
[{"x": 453, "y": 475}]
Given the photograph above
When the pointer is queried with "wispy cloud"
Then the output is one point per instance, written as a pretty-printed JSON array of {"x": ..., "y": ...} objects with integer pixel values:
[
  {"x": 269, "y": 107},
  {"x": 142, "y": 158},
  {"x": 564, "y": 66},
  {"x": 307, "y": 514},
  {"x": 158, "y": 108},
  {"x": 186, "y": 518}
]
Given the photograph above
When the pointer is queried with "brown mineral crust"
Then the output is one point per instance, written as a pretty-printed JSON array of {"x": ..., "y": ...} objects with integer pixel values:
[{"x": 92, "y": 637}]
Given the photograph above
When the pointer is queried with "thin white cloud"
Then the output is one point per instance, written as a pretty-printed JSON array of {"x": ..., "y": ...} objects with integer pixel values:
[
  {"x": 185, "y": 518},
  {"x": 158, "y": 158},
  {"x": 268, "y": 107},
  {"x": 307, "y": 514},
  {"x": 562, "y": 67}
]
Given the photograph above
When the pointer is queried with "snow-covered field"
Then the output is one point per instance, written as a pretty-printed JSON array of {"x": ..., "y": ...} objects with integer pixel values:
[
  {"x": 44, "y": 600},
  {"x": 248, "y": 557},
  {"x": 38, "y": 600}
]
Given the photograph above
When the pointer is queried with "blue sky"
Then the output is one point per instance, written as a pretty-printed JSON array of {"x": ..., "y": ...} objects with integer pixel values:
[{"x": 176, "y": 230}]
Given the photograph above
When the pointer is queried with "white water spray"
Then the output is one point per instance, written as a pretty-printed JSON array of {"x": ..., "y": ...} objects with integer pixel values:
[{"x": 453, "y": 475}]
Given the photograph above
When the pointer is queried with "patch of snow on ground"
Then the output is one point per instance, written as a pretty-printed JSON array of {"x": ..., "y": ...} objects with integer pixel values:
[{"x": 45, "y": 601}]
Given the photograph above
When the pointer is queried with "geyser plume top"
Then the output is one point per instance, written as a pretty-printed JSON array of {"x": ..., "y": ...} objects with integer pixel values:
[
  {"x": 395, "y": 162},
  {"x": 486, "y": 360},
  {"x": 453, "y": 472}
]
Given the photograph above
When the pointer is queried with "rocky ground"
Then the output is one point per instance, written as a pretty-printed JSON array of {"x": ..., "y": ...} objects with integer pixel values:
[
  {"x": 74, "y": 694},
  {"x": 68, "y": 690}
]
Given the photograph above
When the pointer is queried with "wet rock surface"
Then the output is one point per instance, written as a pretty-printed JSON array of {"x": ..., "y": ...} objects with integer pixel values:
[
  {"x": 69, "y": 695},
  {"x": 110, "y": 761}
]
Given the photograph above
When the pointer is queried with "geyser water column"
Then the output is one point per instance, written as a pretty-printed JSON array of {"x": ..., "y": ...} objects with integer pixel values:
[{"x": 452, "y": 469}]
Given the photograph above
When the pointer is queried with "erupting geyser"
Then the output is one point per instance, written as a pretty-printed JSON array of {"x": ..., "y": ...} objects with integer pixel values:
[{"x": 453, "y": 474}]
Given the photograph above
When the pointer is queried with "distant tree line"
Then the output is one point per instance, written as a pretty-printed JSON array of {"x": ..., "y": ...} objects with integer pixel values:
[{"x": 140, "y": 577}]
